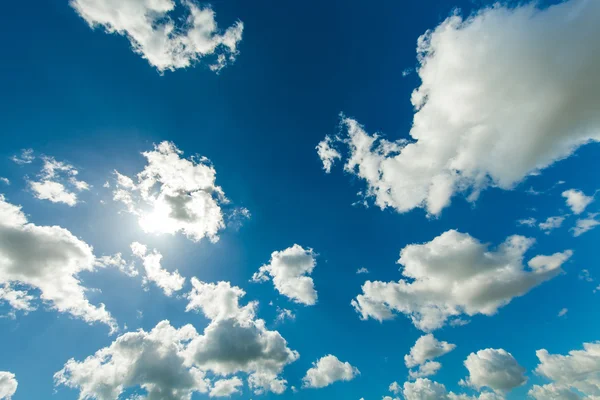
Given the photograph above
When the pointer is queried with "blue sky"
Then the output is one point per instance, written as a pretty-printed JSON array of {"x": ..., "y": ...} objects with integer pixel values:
[{"x": 518, "y": 134}]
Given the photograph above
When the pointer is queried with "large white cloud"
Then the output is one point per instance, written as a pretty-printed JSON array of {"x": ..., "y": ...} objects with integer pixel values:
[
  {"x": 425, "y": 350},
  {"x": 580, "y": 369},
  {"x": 453, "y": 275},
  {"x": 328, "y": 370},
  {"x": 169, "y": 282},
  {"x": 149, "y": 26},
  {"x": 50, "y": 259},
  {"x": 8, "y": 385},
  {"x": 496, "y": 369},
  {"x": 173, "y": 363},
  {"x": 290, "y": 270},
  {"x": 174, "y": 194},
  {"x": 504, "y": 94}
]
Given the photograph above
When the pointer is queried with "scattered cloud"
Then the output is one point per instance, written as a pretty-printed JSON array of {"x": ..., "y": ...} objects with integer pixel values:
[
  {"x": 328, "y": 370},
  {"x": 8, "y": 385},
  {"x": 290, "y": 271},
  {"x": 551, "y": 223},
  {"x": 284, "y": 314},
  {"x": 585, "y": 224},
  {"x": 50, "y": 259},
  {"x": 57, "y": 182},
  {"x": 26, "y": 157},
  {"x": 456, "y": 275},
  {"x": 501, "y": 93},
  {"x": 425, "y": 389},
  {"x": 174, "y": 194},
  {"x": 362, "y": 270},
  {"x": 577, "y": 200},
  {"x": 150, "y": 27},
  {"x": 169, "y": 282},
  {"x": 531, "y": 222},
  {"x": 421, "y": 355},
  {"x": 496, "y": 369},
  {"x": 327, "y": 153}
]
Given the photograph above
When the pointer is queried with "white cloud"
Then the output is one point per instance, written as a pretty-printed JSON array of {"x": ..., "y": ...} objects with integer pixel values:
[
  {"x": 154, "y": 360},
  {"x": 425, "y": 389},
  {"x": 26, "y": 157},
  {"x": 552, "y": 392},
  {"x": 496, "y": 369},
  {"x": 579, "y": 370},
  {"x": 551, "y": 223},
  {"x": 585, "y": 224},
  {"x": 169, "y": 282},
  {"x": 508, "y": 83},
  {"x": 5, "y": 180},
  {"x": 283, "y": 314},
  {"x": 174, "y": 194},
  {"x": 54, "y": 192},
  {"x": 456, "y": 275},
  {"x": 563, "y": 312},
  {"x": 327, "y": 153},
  {"x": 117, "y": 261},
  {"x": 290, "y": 270},
  {"x": 577, "y": 200},
  {"x": 18, "y": 300},
  {"x": 50, "y": 259},
  {"x": 421, "y": 355},
  {"x": 531, "y": 222},
  {"x": 362, "y": 270},
  {"x": 53, "y": 181},
  {"x": 153, "y": 34},
  {"x": 226, "y": 387},
  {"x": 328, "y": 370},
  {"x": 8, "y": 385},
  {"x": 395, "y": 387}
]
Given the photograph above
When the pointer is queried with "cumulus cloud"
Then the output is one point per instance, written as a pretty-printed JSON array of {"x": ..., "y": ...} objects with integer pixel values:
[
  {"x": 328, "y": 370},
  {"x": 226, "y": 387},
  {"x": 48, "y": 258},
  {"x": 456, "y": 275},
  {"x": 8, "y": 385},
  {"x": 507, "y": 83},
  {"x": 551, "y": 223},
  {"x": 327, "y": 153},
  {"x": 585, "y": 224},
  {"x": 496, "y": 369},
  {"x": 290, "y": 269},
  {"x": 580, "y": 370},
  {"x": 169, "y": 282},
  {"x": 151, "y": 29},
  {"x": 18, "y": 300},
  {"x": 425, "y": 350},
  {"x": 552, "y": 392},
  {"x": 174, "y": 194},
  {"x": 577, "y": 200},
  {"x": 57, "y": 182},
  {"x": 425, "y": 389}
]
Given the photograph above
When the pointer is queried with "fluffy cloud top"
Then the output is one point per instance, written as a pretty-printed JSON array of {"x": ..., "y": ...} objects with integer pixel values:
[
  {"x": 8, "y": 385},
  {"x": 453, "y": 275},
  {"x": 425, "y": 350},
  {"x": 50, "y": 259},
  {"x": 171, "y": 363},
  {"x": 154, "y": 35},
  {"x": 552, "y": 391},
  {"x": 169, "y": 282},
  {"x": 290, "y": 270},
  {"x": 174, "y": 194},
  {"x": 508, "y": 83},
  {"x": 328, "y": 370},
  {"x": 496, "y": 369},
  {"x": 577, "y": 200},
  {"x": 425, "y": 389},
  {"x": 580, "y": 370}
]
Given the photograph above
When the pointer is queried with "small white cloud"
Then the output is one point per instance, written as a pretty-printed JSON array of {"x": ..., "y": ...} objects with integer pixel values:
[
  {"x": 284, "y": 314},
  {"x": 496, "y": 369},
  {"x": 327, "y": 153},
  {"x": 585, "y": 224},
  {"x": 58, "y": 182},
  {"x": 226, "y": 387},
  {"x": 328, "y": 370},
  {"x": 169, "y": 282},
  {"x": 395, "y": 387},
  {"x": 553, "y": 391},
  {"x": 577, "y": 200},
  {"x": 26, "y": 157},
  {"x": 8, "y": 385},
  {"x": 151, "y": 30},
  {"x": 290, "y": 271},
  {"x": 421, "y": 355},
  {"x": 551, "y": 223},
  {"x": 54, "y": 192},
  {"x": 563, "y": 312},
  {"x": 117, "y": 261},
  {"x": 5, "y": 180},
  {"x": 362, "y": 270},
  {"x": 531, "y": 222}
]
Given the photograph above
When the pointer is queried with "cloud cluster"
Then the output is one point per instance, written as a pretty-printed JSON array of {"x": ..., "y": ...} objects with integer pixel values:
[
  {"x": 328, "y": 370},
  {"x": 455, "y": 275},
  {"x": 153, "y": 34},
  {"x": 496, "y": 369},
  {"x": 421, "y": 355},
  {"x": 169, "y": 282},
  {"x": 8, "y": 385},
  {"x": 290, "y": 269},
  {"x": 48, "y": 258},
  {"x": 174, "y": 194},
  {"x": 171, "y": 363},
  {"x": 488, "y": 94}
]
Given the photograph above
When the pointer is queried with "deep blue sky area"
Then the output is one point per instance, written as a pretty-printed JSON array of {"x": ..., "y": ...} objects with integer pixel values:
[{"x": 83, "y": 96}]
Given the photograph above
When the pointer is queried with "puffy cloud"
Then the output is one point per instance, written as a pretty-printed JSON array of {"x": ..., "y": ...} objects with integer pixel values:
[
  {"x": 8, "y": 385},
  {"x": 328, "y": 370},
  {"x": 53, "y": 181},
  {"x": 154, "y": 35},
  {"x": 154, "y": 360},
  {"x": 507, "y": 83},
  {"x": 395, "y": 387},
  {"x": 456, "y": 275},
  {"x": 50, "y": 259},
  {"x": 54, "y": 192},
  {"x": 226, "y": 387},
  {"x": 551, "y": 223},
  {"x": 289, "y": 270},
  {"x": 174, "y": 194},
  {"x": 585, "y": 224},
  {"x": 552, "y": 392},
  {"x": 219, "y": 301},
  {"x": 327, "y": 153},
  {"x": 580, "y": 369},
  {"x": 577, "y": 200},
  {"x": 425, "y": 389},
  {"x": 426, "y": 349},
  {"x": 262, "y": 382},
  {"x": 169, "y": 282},
  {"x": 496, "y": 369}
]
